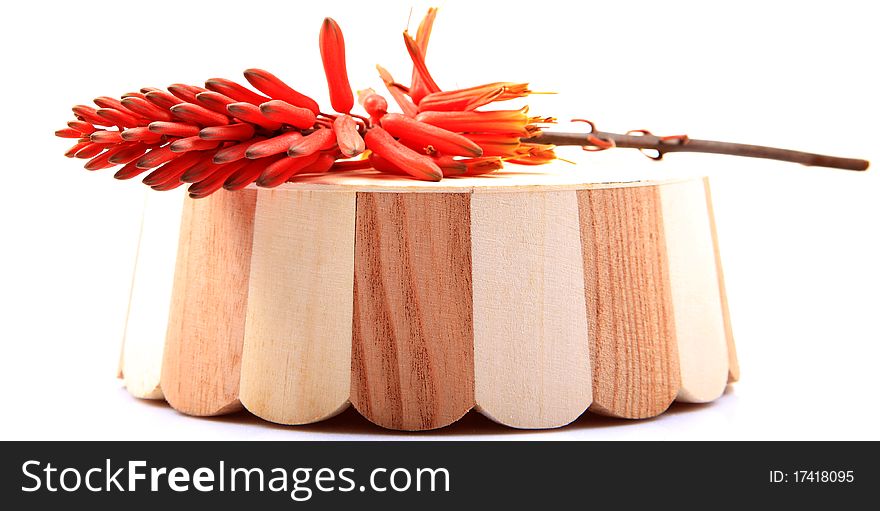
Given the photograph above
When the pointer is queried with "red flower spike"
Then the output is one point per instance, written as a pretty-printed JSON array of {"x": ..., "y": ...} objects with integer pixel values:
[
  {"x": 428, "y": 138},
  {"x": 146, "y": 110},
  {"x": 132, "y": 152},
  {"x": 318, "y": 140},
  {"x": 156, "y": 157},
  {"x": 119, "y": 118},
  {"x": 239, "y": 93},
  {"x": 141, "y": 134},
  {"x": 211, "y": 139},
  {"x": 185, "y": 92},
  {"x": 417, "y": 165},
  {"x": 272, "y": 146},
  {"x": 251, "y": 113},
  {"x": 163, "y": 99},
  {"x": 332, "y": 46},
  {"x": 269, "y": 84},
  {"x": 280, "y": 171},
  {"x": 283, "y": 112},
  {"x": 192, "y": 113},
  {"x": 195, "y": 143},
  {"x": 174, "y": 168},
  {"x": 348, "y": 138},
  {"x": 418, "y": 90},
  {"x": 234, "y": 132},
  {"x": 173, "y": 129},
  {"x": 214, "y": 101}
]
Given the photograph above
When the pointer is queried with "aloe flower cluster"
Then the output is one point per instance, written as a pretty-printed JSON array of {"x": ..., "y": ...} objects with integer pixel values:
[{"x": 225, "y": 135}]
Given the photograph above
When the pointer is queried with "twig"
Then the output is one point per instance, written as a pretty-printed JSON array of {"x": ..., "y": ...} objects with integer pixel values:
[{"x": 598, "y": 140}]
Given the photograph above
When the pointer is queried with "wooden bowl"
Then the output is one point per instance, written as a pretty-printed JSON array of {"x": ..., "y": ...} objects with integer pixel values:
[{"x": 530, "y": 296}]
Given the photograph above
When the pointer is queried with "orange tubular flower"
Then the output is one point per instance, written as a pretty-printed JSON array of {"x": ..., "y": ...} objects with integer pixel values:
[
  {"x": 418, "y": 89},
  {"x": 505, "y": 122},
  {"x": 473, "y": 97}
]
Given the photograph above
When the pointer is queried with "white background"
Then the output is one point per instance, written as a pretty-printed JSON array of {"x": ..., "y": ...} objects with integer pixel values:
[{"x": 799, "y": 245}]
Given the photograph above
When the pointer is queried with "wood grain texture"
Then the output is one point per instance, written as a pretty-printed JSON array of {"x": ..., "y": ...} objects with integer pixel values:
[
  {"x": 296, "y": 362},
  {"x": 151, "y": 289},
  {"x": 412, "y": 342},
  {"x": 696, "y": 300},
  {"x": 531, "y": 358},
  {"x": 631, "y": 326},
  {"x": 202, "y": 362},
  {"x": 733, "y": 361}
]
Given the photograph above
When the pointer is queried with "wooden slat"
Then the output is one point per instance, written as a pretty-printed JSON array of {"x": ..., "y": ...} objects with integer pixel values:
[
  {"x": 150, "y": 301},
  {"x": 696, "y": 300},
  {"x": 631, "y": 326},
  {"x": 733, "y": 361},
  {"x": 296, "y": 363},
  {"x": 412, "y": 348},
  {"x": 202, "y": 362},
  {"x": 531, "y": 359}
]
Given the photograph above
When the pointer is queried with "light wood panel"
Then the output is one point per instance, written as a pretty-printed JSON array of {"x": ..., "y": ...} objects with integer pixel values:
[
  {"x": 202, "y": 361},
  {"x": 631, "y": 326},
  {"x": 733, "y": 361},
  {"x": 296, "y": 362},
  {"x": 412, "y": 348},
  {"x": 531, "y": 359},
  {"x": 696, "y": 300},
  {"x": 150, "y": 300}
]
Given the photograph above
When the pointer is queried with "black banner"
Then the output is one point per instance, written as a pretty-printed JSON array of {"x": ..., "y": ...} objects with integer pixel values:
[{"x": 436, "y": 475}]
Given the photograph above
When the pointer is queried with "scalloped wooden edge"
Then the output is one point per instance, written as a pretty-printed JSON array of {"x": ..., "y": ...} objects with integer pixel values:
[{"x": 549, "y": 384}]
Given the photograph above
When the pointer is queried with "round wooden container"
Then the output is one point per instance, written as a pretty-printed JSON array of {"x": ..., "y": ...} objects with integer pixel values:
[{"x": 530, "y": 296}]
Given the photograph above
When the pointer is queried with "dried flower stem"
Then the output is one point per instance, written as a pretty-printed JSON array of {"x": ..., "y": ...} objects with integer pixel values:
[{"x": 683, "y": 144}]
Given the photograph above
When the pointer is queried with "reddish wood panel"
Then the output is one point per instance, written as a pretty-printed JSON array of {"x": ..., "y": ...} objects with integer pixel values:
[
  {"x": 412, "y": 335},
  {"x": 202, "y": 359},
  {"x": 630, "y": 322}
]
